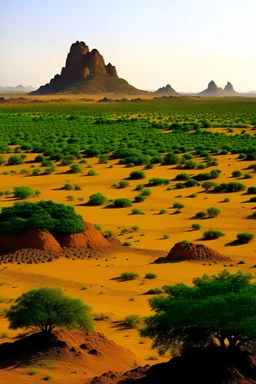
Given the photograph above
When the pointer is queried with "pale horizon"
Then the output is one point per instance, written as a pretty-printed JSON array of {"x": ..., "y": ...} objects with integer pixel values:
[{"x": 151, "y": 44}]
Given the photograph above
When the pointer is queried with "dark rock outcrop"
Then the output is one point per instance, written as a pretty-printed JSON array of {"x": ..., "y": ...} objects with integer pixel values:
[
  {"x": 167, "y": 90},
  {"x": 86, "y": 72},
  {"x": 210, "y": 365},
  {"x": 192, "y": 252}
]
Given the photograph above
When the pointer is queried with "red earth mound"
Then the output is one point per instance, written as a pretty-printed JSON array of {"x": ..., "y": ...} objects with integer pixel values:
[
  {"x": 211, "y": 366},
  {"x": 90, "y": 352},
  {"x": 90, "y": 238},
  {"x": 190, "y": 251},
  {"x": 33, "y": 238}
]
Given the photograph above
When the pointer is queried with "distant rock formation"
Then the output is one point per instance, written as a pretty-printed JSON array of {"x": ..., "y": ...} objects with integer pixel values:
[
  {"x": 215, "y": 91},
  {"x": 86, "y": 72},
  {"x": 18, "y": 89},
  {"x": 192, "y": 252},
  {"x": 229, "y": 89},
  {"x": 167, "y": 90}
]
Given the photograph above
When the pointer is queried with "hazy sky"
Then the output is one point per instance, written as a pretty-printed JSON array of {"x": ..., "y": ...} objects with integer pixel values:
[{"x": 185, "y": 43}]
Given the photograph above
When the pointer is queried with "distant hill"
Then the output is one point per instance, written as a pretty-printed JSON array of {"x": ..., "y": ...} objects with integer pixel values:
[
  {"x": 167, "y": 90},
  {"x": 215, "y": 91},
  {"x": 86, "y": 72},
  {"x": 18, "y": 89}
]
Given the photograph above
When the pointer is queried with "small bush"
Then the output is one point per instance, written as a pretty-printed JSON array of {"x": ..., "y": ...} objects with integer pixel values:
[
  {"x": 123, "y": 184},
  {"x": 36, "y": 172},
  {"x": 122, "y": 203},
  {"x": 212, "y": 234},
  {"x": 244, "y": 238},
  {"x": 139, "y": 199},
  {"x": 213, "y": 212},
  {"x": 166, "y": 236},
  {"x": 75, "y": 168},
  {"x": 178, "y": 206},
  {"x": 200, "y": 215},
  {"x": 137, "y": 175},
  {"x": 153, "y": 291},
  {"x": 127, "y": 243},
  {"x": 236, "y": 173},
  {"x": 23, "y": 192},
  {"x": 91, "y": 172},
  {"x": 182, "y": 177},
  {"x": 126, "y": 276},
  {"x": 196, "y": 226},
  {"x": 97, "y": 199},
  {"x": 157, "y": 181},
  {"x": 68, "y": 187},
  {"x": 145, "y": 192},
  {"x": 137, "y": 211},
  {"x": 132, "y": 321},
  {"x": 150, "y": 276},
  {"x": 108, "y": 233}
]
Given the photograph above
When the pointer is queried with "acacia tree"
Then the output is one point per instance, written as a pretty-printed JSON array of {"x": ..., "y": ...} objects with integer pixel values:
[
  {"x": 218, "y": 309},
  {"x": 48, "y": 308}
]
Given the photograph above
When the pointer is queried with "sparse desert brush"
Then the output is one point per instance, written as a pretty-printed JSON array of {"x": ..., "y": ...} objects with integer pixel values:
[
  {"x": 91, "y": 172},
  {"x": 166, "y": 236},
  {"x": 127, "y": 243},
  {"x": 75, "y": 168},
  {"x": 146, "y": 192},
  {"x": 108, "y": 233},
  {"x": 132, "y": 321},
  {"x": 126, "y": 276},
  {"x": 135, "y": 228},
  {"x": 196, "y": 227},
  {"x": 97, "y": 199},
  {"x": 98, "y": 227},
  {"x": 244, "y": 238},
  {"x": 212, "y": 234},
  {"x": 178, "y": 206},
  {"x": 200, "y": 215},
  {"x": 101, "y": 316},
  {"x": 47, "y": 377},
  {"x": 153, "y": 291},
  {"x": 236, "y": 173},
  {"x": 137, "y": 211},
  {"x": 23, "y": 192},
  {"x": 123, "y": 184},
  {"x": 150, "y": 275},
  {"x": 213, "y": 212},
  {"x": 137, "y": 175},
  {"x": 122, "y": 203},
  {"x": 32, "y": 372},
  {"x": 139, "y": 199},
  {"x": 139, "y": 187}
]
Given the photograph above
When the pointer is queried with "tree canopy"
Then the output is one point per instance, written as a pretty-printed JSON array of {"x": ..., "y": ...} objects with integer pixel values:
[
  {"x": 216, "y": 309},
  {"x": 44, "y": 215},
  {"x": 48, "y": 308}
]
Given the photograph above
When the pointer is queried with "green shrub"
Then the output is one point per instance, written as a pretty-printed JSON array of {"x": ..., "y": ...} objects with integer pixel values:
[
  {"x": 196, "y": 226},
  {"x": 132, "y": 321},
  {"x": 36, "y": 172},
  {"x": 137, "y": 211},
  {"x": 122, "y": 203},
  {"x": 108, "y": 233},
  {"x": 213, "y": 212},
  {"x": 236, "y": 173},
  {"x": 68, "y": 187},
  {"x": 137, "y": 175},
  {"x": 153, "y": 291},
  {"x": 23, "y": 192},
  {"x": 178, "y": 206},
  {"x": 75, "y": 168},
  {"x": 44, "y": 215},
  {"x": 208, "y": 185},
  {"x": 15, "y": 160},
  {"x": 212, "y": 234},
  {"x": 182, "y": 177},
  {"x": 156, "y": 181},
  {"x": 139, "y": 199},
  {"x": 91, "y": 172},
  {"x": 244, "y": 238},
  {"x": 200, "y": 215},
  {"x": 123, "y": 184},
  {"x": 127, "y": 243},
  {"x": 139, "y": 187},
  {"x": 150, "y": 276},
  {"x": 126, "y": 276},
  {"x": 166, "y": 236},
  {"x": 145, "y": 192},
  {"x": 97, "y": 199}
]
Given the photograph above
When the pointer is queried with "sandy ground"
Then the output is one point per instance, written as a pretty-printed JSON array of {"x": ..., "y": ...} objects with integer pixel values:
[{"x": 104, "y": 293}]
